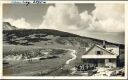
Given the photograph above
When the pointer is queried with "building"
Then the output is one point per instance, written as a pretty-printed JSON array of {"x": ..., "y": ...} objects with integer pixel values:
[{"x": 101, "y": 56}]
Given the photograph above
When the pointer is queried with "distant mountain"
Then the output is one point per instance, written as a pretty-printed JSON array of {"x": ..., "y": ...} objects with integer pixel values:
[{"x": 8, "y": 26}]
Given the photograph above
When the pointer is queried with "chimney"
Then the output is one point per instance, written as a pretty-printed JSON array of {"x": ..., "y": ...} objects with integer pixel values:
[{"x": 104, "y": 45}]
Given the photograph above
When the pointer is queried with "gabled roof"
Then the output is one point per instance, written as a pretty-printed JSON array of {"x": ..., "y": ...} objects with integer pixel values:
[{"x": 100, "y": 48}]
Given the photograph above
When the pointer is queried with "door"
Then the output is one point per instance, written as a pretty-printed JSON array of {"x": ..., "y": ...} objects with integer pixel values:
[{"x": 101, "y": 63}]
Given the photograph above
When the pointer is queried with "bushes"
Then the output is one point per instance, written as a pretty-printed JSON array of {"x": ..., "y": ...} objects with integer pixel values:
[
  {"x": 51, "y": 53},
  {"x": 73, "y": 41},
  {"x": 85, "y": 67},
  {"x": 58, "y": 51},
  {"x": 49, "y": 57},
  {"x": 25, "y": 40},
  {"x": 119, "y": 72}
]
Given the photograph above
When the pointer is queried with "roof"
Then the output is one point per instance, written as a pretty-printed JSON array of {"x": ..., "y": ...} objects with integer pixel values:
[{"x": 100, "y": 48}]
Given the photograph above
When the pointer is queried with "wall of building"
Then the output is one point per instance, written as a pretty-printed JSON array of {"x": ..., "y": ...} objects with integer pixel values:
[
  {"x": 101, "y": 62},
  {"x": 110, "y": 62}
]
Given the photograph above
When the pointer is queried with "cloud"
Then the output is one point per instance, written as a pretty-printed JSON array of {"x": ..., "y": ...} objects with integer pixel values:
[
  {"x": 66, "y": 17},
  {"x": 63, "y": 17},
  {"x": 103, "y": 11},
  {"x": 105, "y": 18},
  {"x": 108, "y": 18},
  {"x": 19, "y": 23}
]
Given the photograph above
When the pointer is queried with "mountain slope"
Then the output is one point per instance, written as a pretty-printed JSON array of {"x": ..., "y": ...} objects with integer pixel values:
[
  {"x": 8, "y": 26},
  {"x": 37, "y": 35}
]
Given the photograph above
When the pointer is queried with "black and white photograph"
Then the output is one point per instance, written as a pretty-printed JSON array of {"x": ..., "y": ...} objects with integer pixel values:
[{"x": 64, "y": 39}]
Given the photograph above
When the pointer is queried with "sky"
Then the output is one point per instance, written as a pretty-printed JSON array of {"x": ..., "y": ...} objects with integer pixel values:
[{"x": 101, "y": 21}]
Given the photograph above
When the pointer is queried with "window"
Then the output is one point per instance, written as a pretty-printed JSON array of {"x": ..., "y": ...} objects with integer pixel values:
[
  {"x": 111, "y": 60},
  {"x": 99, "y": 52}
]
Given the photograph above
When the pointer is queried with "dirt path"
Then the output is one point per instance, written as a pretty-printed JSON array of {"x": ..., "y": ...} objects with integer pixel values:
[
  {"x": 73, "y": 56},
  {"x": 61, "y": 71}
]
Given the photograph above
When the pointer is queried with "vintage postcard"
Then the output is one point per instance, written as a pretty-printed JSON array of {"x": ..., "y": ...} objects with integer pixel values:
[{"x": 72, "y": 40}]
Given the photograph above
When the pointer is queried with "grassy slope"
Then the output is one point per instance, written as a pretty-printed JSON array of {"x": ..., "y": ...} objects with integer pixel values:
[{"x": 36, "y": 67}]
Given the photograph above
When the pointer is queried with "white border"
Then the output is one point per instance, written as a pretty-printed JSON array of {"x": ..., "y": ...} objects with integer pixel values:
[
  {"x": 69, "y": 77},
  {"x": 126, "y": 37},
  {"x": 1, "y": 40}
]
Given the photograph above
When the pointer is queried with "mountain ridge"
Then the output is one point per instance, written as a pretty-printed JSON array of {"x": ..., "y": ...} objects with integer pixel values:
[{"x": 8, "y": 26}]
